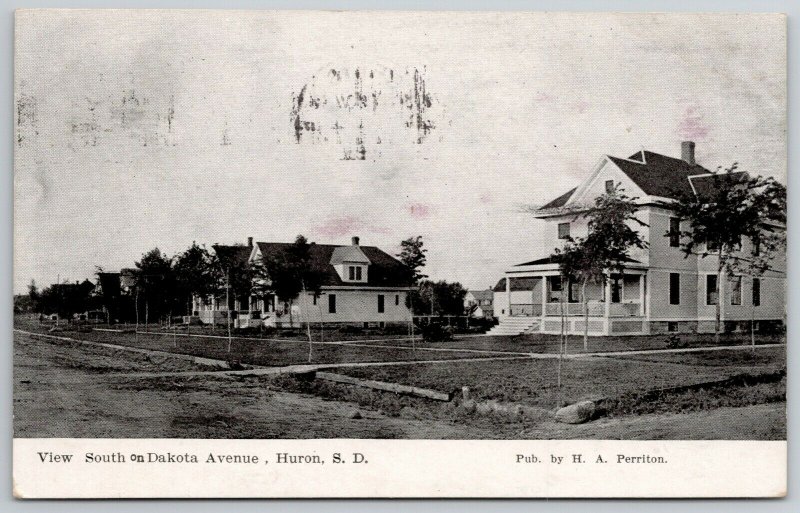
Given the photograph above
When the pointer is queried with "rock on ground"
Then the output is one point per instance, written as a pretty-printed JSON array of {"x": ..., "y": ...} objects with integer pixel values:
[{"x": 577, "y": 413}]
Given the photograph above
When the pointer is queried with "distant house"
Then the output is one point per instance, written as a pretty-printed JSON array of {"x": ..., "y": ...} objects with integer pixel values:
[
  {"x": 213, "y": 309},
  {"x": 116, "y": 294},
  {"x": 661, "y": 290},
  {"x": 362, "y": 285},
  {"x": 481, "y": 301}
]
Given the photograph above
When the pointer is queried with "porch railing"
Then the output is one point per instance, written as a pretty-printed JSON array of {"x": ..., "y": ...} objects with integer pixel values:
[
  {"x": 526, "y": 309},
  {"x": 596, "y": 309},
  {"x": 624, "y": 310}
]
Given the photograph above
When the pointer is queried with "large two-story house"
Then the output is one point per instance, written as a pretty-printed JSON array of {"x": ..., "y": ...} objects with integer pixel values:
[
  {"x": 361, "y": 286},
  {"x": 661, "y": 289}
]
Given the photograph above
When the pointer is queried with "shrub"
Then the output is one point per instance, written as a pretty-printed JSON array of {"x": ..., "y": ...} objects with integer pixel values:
[
  {"x": 675, "y": 341},
  {"x": 395, "y": 329},
  {"x": 268, "y": 331},
  {"x": 771, "y": 327},
  {"x": 248, "y": 332},
  {"x": 348, "y": 329},
  {"x": 481, "y": 325},
  {"x": 437, "y": 333}
]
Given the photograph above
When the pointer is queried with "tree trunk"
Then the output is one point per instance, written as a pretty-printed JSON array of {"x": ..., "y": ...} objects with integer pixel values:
[
  {"x": 585, "y": 316},
  {"x": 308, "y": 322},
  {"x": 137, "y": 314},
  {"x": 753, "y": 327},
  {"x": 411, "y": 326},
  {"x": 562, "y": 350},
  {"x": 718, "y": 309},
  {"x": 228, "y": 309},
  {"x": 174, "y": 335},
  {"x": 291, "y": 315},
  {"x": 321, "y": 323},
  {"x": 564, "y": 330}
]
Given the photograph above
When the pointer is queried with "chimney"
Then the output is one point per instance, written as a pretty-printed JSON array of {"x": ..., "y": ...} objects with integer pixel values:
[
  {"x": 249, "y": 242},
  {"x": 687, "y": 152},
  {"x": 354, "y": 240}
]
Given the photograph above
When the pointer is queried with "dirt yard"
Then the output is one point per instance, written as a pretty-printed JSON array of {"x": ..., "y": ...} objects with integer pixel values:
[{"x": 64, "y": 389}]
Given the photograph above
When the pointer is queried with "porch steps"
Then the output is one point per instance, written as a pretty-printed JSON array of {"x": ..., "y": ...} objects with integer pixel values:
[{"x": 515, "y": 326}]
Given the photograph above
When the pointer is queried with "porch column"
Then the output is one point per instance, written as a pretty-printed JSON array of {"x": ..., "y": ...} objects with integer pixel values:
[
  {"x": 544, "y": 296},
  {"x": 508, "y": 294},
  {"x": 607, "y": 303},
  {"x": 641, "y": 295}
]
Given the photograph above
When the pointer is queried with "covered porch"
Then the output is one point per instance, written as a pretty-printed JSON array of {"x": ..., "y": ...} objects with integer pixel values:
[{"x": 615, "y": 306}]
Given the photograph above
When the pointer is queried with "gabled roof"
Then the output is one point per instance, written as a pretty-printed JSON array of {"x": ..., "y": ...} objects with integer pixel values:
[
  {"x": 481, "y": 295},
  {"x": 238, "y": 254},
  {"x": 384, "y": 270},
  {"x": 659, "y": 175},
  {"x": 561, "y": 200},
  {"x": 705, "y": 185},
  {"x": 655, "y": 174},
  {"x": 351, "y": 254},
  {"x": 500, "y": 286},
  {"x": 554, "y": 260}
]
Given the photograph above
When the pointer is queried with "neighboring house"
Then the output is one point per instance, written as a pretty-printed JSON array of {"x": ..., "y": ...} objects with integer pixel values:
[
  {"x": 661, "y": 290},
  {"x": 117, "y": 294},
  {"x": 214, "y": 309},
  {"x": 481, "y": 301},
  {"x": 361, "y": 285}
]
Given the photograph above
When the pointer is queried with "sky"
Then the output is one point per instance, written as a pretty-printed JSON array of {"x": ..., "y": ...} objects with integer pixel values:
[{"x": 142, "y": 129}]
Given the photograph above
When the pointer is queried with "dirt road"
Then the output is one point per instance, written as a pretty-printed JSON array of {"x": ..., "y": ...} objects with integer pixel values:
[
  {"x": 67, "y": 391},
  {"x": 64, "y": 389}
]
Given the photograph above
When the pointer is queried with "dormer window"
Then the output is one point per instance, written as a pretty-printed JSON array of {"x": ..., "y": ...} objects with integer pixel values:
[
  {"x": 350, "y": 262},
  {"x": 354, "y": 273}
]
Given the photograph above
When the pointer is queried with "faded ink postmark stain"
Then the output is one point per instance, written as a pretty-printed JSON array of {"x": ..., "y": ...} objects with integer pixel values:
[
  {"x": 27, "y": 118},
  {"x": 145, "y": 121},
  {"x": 358, "y": 110}
]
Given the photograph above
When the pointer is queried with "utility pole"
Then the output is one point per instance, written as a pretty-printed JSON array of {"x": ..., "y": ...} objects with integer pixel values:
[
  {"x": 413, "y": 339},
  {"x": 228, "y": 306}
]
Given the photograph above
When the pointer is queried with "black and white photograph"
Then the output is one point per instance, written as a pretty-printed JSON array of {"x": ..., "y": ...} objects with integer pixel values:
[{"x": 312, "y": 225}]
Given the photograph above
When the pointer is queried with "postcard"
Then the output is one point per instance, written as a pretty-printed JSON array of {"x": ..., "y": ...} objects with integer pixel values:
[{"x": 399, "y": 254}]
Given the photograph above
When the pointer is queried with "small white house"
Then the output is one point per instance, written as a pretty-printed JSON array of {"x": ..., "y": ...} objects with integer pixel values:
[
  {"x": 361, "y": 286},
  {"x": 481, "y": 301},
  {"x": 661, "y": 289}
]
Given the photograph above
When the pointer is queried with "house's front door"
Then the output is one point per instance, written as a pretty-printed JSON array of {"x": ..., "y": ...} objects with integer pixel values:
[{"x": 616, "y": 289}]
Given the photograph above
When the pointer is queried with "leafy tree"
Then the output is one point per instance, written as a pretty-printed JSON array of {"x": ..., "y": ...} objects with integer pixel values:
[
  {"x": 732, "y": 206},
  {"x": 34, "y": 296},
  {"x": 769, "y": 245},
  {"x": 109, "y": 295},
  {"x": 438, "y": 298},
  {"x": 290, "y": 273},
  {"x": 156, "y": 279},
  {"x": 66, "y": 299},
  {"x": 240, "y": 280},
  {"x": 606, "y": 247},
  {"x": 197, "y": 272},
  {"x": 412, "y": 255}
]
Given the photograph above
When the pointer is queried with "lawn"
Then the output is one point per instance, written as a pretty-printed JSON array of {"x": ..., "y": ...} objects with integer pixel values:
[
  {"x": 254, "y": 351},
  {"x": 622, "y": 380},
  {"x": 534, "y": 382},
  {"x": 539, "y": 343}
]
